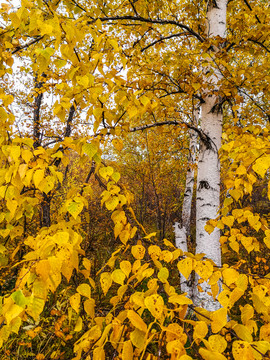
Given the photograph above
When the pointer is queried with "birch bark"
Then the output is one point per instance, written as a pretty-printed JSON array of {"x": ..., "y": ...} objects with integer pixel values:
[
  {"x": 182, "y": 230},
  {"x": 208, "y": 178}
]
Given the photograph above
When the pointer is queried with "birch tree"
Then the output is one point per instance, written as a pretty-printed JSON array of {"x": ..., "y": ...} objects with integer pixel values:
[{"x": 208, "y": 178}]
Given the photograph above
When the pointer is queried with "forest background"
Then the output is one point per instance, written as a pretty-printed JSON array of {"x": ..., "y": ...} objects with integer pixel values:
[{"x": 134, "y": 179}]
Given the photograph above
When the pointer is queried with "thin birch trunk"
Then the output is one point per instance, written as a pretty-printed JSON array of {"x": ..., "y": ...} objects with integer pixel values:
[
  {"x": 183, "y": 231},
  {"x": 208, "y": 178}
]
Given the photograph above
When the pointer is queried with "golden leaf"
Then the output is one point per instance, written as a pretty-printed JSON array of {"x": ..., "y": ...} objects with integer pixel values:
[
  {"x": 78, "y": 325},
  {"x": 118, "y": 144},
  {"x": 219, "y": 320},
  {"x": 127, "y": 352},
  {"x": 99, "y": 353},
  {"x": 200, "y": 330},
  {"x": 89, "y": 307},
  {"x": 163, "y": 274},
  {"x": 217, "y": 343},
  {"x": 125, "y": 266},
  {"x": 185, "y": 267},
  {"x": 75, "y": 301},
  {"x": 155, "y": 304},
  {"x": 38, "y": 177},
  {"x": 138, "y": 251},
  {"x": 243, "y": 333},
  {"x": 84, "y": 290},
  {"x": 242, "y": 350},
  {"x": 211, "y": 355},
  {"x": 136, "y": 320},
  {"x": 230, "y": 276},
  {"x": 180, "y": 299},
  {"x": 118, "y": 276},
  {"x": 137, "y": 338},
  {"x": 105, "y": 282}
]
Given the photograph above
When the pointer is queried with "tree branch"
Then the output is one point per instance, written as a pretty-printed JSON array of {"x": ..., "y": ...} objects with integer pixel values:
[
  {"x": 151, "y": 21},
  {"x": 162, "y": 39},
  {"x": 259, "y": 43},
  {"x": 19, "y": 48}
]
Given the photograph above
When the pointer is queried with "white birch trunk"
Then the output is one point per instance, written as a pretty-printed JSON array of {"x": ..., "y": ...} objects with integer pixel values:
[
  {"x": 208, "y": 178},
  {"x": 183, "y": 231}
]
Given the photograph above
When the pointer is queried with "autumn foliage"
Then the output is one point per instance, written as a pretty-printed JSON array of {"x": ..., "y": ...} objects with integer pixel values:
[{"x": 97, "y": 103}]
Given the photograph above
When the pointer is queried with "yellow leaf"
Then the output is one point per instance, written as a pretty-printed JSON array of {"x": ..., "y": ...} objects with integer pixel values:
[
  {"x": 84, "y": 290},
  {"x": 163, "y": 274},
  {"x": 118, "y": 144},
  {"x": 105, "y": 281},
  {"x": 166, "y": 255},
  {"x": 243, "y": 333},
  {"x": 236, "y": 194},
  {"x": 43, "y": 269},
  {"x": 219, "y": 320},
  {"x": 242, "y": 350},
  {"x": 174, "y": 331},
  {"x": 237, "y": 213},
  {"x": 230, "y": 276},
  {"x": 123, "y": 236},
  {"x": 47, "y": 184},
  {"x": 106, "y": 172},
  {"x": 38, "y": 177},
  {"x": 35, "y": 307},
  {"x": 121, "y": 290},
  {"x": 138, "y": 299},
  {"x": 175, "y": 348},
  {"x": 138, "y": 252},
  {"x": 150, "y": 235},
  {"x": 90, "y": 149},
  {"x": 200, "y": 330},
  {"x": 137, "y": 338},
  {"x": 116, "y": 176},
  {"x": 127, "y": 352},
  {"x": 99, "y": 353},
  {"x": 15, "y": 152},
  {"x": 132, "y": 111},
  {"x": 235, "y": 295},
  {"x": 125, "y": 266},
  {"x": 94, "y": 333},
  {"x": 75, "y": 206},
  {"x": 241, "y": 170},
  {"x": 155, "y": 304},
  {"x": 78, "y": 325},
  {"x": 254, "y": 222},
  {"x": 180, "y": 299},
  {"x": 136, "y": 320},
  {"x": 260, "y": 347},
  {"x": 242, "y": 282},
  {"x": 228, "y": 220},
  {"x": 217, "y": 343},
  {"x": 247, "y": 313},
  {"x": 112, "y": 203},
  {"x": 118, "y": 276},
  {"x": 75, "y": 301},
  {"x": 211, "y": 355},
  {"x": 83, "y": 81},
  {"x": 204, "y": 269},
  {"x": 89, "y": 307},
  {"x": 262, "y": 165},
  {"x": 11, "y": 311},
  {"x": 185, "y": 267}
]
